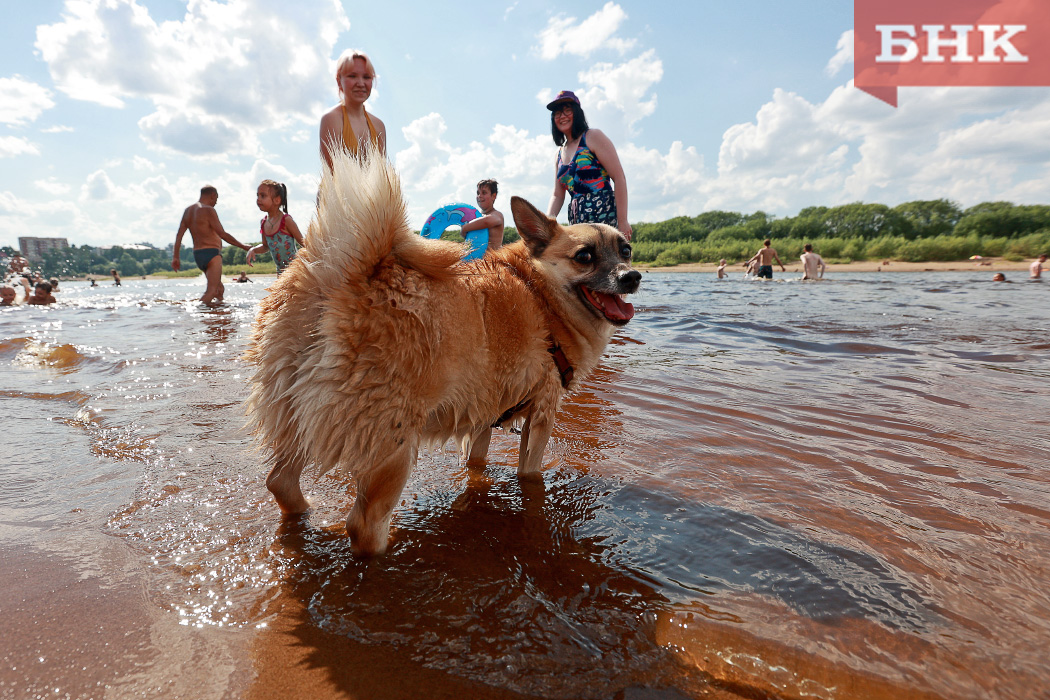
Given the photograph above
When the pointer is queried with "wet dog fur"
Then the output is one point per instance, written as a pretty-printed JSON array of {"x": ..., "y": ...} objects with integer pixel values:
[{"x": 375, "y": 341}]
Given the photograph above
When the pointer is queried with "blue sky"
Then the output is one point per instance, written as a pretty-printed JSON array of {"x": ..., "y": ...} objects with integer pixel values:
[{"x": 114, "y": 113}]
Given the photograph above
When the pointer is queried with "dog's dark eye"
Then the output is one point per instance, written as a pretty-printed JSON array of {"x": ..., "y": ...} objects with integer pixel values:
[
  {"x": 625, "y": 251},
  {"x": 584, "y": 257}
]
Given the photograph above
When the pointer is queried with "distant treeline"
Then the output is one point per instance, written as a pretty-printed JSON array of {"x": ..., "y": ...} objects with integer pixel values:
[
  {"x": 84, "y": 260},
  {"x": 920, "y": 231}
]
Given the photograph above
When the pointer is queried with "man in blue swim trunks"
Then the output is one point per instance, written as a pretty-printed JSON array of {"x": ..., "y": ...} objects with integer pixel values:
[
  {"x": 203, "y": 224},
  {"x": 765, "y": 257}
]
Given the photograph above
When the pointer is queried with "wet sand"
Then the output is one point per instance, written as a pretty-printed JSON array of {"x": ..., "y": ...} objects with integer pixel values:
[{"x": 993, "y": 265}]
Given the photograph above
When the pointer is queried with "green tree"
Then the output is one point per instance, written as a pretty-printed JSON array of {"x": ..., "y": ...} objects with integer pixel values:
[
  {"x": 128, "y": 266},
  {"x": 991, "y": 219},
  {"x": 858, "y": 219},
  {"x": 232, "y": 255},
  {"x": 732, "y": 233},
  {"x": 922, "y": 219}
]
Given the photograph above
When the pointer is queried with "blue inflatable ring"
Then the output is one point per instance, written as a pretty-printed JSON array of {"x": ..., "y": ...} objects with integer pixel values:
[{"x": 457, "y": 215}]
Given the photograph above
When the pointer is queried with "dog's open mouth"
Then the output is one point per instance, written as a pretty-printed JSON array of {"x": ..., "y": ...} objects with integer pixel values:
[{"x": 611, "y": 306}]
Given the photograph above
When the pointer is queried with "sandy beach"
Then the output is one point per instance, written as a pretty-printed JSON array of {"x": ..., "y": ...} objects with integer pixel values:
[{"x": 990, "y": 264}]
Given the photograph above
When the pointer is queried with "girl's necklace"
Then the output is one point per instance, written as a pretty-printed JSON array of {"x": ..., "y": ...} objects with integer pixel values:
[{"x": 271, "y": 225}]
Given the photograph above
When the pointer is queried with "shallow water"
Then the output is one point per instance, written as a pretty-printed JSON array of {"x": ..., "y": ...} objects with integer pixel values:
[{"x": 786, "y": 489}]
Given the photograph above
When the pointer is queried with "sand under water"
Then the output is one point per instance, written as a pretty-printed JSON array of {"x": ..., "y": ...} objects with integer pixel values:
[{"x": 768, "y": 490}]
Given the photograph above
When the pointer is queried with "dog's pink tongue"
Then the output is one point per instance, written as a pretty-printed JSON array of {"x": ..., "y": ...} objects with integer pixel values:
[{"x": 615, "y": 308}]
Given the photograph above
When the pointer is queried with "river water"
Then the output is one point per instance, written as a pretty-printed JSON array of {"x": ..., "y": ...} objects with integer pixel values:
[{"x": 768, "y": 490}]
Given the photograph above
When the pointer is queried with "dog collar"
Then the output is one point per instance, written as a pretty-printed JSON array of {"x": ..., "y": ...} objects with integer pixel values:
[{"x": 565, "y": 369}]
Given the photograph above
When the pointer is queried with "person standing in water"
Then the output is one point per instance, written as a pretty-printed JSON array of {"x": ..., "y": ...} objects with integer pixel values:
[
  {"x": 490, "y": 218},
  {"x": 588, "y": 169},
  {"x": 279, "y": 231},
  {"x": 349, "y": 124},
  {"x": 765, "y": 257},
  {"x": 202, "y": 221},
  {"x": 1035, "y": 270},
  {"x": 812, "y": 264}
]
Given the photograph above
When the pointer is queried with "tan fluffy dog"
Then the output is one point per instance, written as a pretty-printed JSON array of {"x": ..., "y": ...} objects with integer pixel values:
[{"x": 376, "y": 341}]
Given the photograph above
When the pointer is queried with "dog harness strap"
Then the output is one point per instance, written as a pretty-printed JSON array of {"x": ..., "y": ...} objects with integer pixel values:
[
  {"x": 562, "y": 362},
  {"x": 510, "y": 412},
  {"x": 564, "y": 369}
]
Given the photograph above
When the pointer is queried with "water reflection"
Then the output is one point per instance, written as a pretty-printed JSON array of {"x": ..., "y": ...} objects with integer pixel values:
[
  {"x": 495, "y": 588},
  {"x": 219, "y": 324}
]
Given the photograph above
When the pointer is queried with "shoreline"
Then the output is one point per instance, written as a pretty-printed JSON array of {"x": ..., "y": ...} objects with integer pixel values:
[
  {"x": 985, "y": 265},
  {"x": 990, "y": 265}
]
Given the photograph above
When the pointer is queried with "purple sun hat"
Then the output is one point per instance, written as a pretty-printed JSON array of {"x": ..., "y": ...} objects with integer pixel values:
[{"x": 563, "y": 96}]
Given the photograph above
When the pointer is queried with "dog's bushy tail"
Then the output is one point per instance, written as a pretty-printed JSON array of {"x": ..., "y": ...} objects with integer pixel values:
[
  {"x": 312, "y": 327},
  {"x": 361, "y": 220}
]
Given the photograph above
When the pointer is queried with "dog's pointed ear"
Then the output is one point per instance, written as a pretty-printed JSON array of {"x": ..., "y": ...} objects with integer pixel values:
[{"x": 534, "y": 227}]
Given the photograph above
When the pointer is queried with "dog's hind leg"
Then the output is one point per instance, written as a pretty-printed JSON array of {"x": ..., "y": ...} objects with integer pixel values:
[
  {"x": 478, "y": 447},
  {"x": 534, "y": 436},
  {"x": 378, "y": 492},
  {"x": 283, "y": 483}
]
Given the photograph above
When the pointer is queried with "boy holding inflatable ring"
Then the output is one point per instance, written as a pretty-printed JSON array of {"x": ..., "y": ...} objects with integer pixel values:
[{"x": 490, "y": 218}]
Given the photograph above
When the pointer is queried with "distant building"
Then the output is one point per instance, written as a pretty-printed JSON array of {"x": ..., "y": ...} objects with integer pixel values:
[
  {"x": 34, "y": 248},
  {"x": 129, "y": 246}
]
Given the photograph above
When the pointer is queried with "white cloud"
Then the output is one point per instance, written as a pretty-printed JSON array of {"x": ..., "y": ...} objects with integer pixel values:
[
  {"x": 567, "y": 35},
  {"x": 238, "y": 197},
  {"x": 620, "y": 93},
  {"x": 853, "y": 147},
  {"x": 196, "y": 134},
  {"x": 98, "y": 186},
  {"x": 1020, "y": 137},
  {"x": 52, "y": 186},
  {"x": 663, "y": 185},
  {"x": 434, "y": 172},
  {"x": 123, "y": 206},
  {"x": 784, "y": 136},
  {"x": 11, "y": 204},
  {"x": 225, "y": 71},
  {"x": 56, "y": 216},
  {"x": 11, "y": 146},
  {"x": 842, "y": 57},
  {"x": 140, "y": 163},
  {"x": 22, "y": 101}
]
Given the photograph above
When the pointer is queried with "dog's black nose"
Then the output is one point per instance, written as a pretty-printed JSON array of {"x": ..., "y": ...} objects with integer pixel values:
[{"x": 629, "y": 281}]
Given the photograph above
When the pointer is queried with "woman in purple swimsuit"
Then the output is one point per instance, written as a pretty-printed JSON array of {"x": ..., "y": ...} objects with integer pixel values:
[{"x": 587, "y": 168}]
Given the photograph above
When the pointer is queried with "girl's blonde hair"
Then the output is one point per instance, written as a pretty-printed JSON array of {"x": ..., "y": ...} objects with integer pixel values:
[{"x": 346, "y": 60}]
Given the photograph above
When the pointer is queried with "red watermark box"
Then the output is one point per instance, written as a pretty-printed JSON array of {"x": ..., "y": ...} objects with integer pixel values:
[{"x": 949, "y": 42}]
